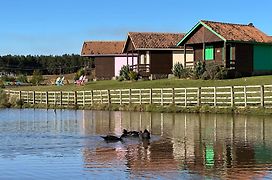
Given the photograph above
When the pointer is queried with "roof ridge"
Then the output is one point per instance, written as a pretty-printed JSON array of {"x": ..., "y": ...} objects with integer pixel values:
[
  {"x": 103, "y": 41},
  {"x": 158, "y": 32},
  {"x": 224, "y": 23}
]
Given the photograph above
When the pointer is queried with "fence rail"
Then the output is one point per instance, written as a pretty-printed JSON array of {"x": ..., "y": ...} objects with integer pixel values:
[{"x": 229, "y": 96}]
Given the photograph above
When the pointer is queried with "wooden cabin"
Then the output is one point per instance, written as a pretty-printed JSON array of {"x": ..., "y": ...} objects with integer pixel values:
[
  {"x": 156, "y": 52},
  {"x": 108, "y": 57},
  {"x": 242, "y": 48}
]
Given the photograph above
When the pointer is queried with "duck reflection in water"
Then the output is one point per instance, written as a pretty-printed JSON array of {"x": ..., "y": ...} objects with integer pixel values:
[
  {"x": 145, "y": 134},
  {"x": 127, "y": 133},
  {"x": 110, "y": 138}
]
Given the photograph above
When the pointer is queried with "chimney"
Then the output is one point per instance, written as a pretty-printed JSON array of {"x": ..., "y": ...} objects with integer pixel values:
[{"x": 251, "y": 24}]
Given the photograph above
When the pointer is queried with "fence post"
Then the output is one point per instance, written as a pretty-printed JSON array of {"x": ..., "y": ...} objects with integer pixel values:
[
  {"x": 214, "y": 95},
  {"x": 120, "y": 96},
  {"x": 245, "y": 96},
  {"x": 129, "y": 94},
  {"x": 101, "y": 97},
  {"x": 46, "y": 99},
  {"x": 199, "y": 96},
  {"x": 109, "y": 97},
  {"x": 60, "y": 98},
  {"x": 20, "y": 95},
  {"x": 162, "y": 97},
  {"x": 75, "y": 98},
  {"x": 92, "y": 97},
  {"x": 185, "y": 97},
  {"x": 33, "y": 94},
  {"x": 262, "y": 95},
  {"x": 150, "y": 95},
  {"x": 173, "y": 95},
  {"x": 27, "y": 97},
  {"x": 231, "y": 96},
  {"x": 140, "y": 96}
]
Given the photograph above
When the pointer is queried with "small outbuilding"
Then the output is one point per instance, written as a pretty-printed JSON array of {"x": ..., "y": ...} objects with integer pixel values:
[
  {"x": 156, "y": 52},
  {"x": 242, "y": 48},
  {"x": 107, "y": 57}
]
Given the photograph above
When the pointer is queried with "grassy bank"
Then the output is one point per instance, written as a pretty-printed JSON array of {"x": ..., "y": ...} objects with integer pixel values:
[
  {"x": 161, "y": 109},
  {"x": 166, "y": 83}
]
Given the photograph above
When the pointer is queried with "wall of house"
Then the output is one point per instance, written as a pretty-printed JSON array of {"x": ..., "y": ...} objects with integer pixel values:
[
  {"x": 104, "y": 67},
  {"x": 161, "y": 62},
  {"x": 178, "y": 57},
  {"x": 218, "y": 52},
  {"x": 244, "y": 58},
  {"x": 122, "y": 61},
  {"x": 201, "y": 35},
  {"x": 262, "y": 60},
  {"x": 144, "y": 57}
]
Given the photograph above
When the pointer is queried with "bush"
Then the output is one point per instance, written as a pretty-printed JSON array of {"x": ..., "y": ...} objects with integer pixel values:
[
  {"x": 37, "y": 77},
  {"x": 79, "y": 73},
  {"x": 214, "y": 71},
  {"x": 178, "y": 70},
  {"x": 22, "y": 78},
  {"x": 8, "y": 78},
  {"x": 2, "y": 85},
  {"x": 124, "y": 72},
  {"x": 4, "y": 100},
  {"x": 199, "y": 70},
  {"x": 133, "y": 75},
  {"x": 120, "y": 78}
]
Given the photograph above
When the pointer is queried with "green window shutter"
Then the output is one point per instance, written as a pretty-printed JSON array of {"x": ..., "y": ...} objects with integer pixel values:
[{"x": 209, "y": 53}]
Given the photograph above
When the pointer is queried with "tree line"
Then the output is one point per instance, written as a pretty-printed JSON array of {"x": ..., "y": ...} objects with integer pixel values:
[{"x": 20, "y": 64}]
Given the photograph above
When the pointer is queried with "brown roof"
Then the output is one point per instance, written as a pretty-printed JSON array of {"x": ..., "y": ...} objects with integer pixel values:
[
  {"x": 238, "y": 32},
  {"x": 144, "y": 40},
  {"x": 102, "y": 47}
]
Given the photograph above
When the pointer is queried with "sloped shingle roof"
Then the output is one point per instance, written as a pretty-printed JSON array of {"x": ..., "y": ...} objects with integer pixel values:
[
  {"x": 144, "y": 40},
  {"x": 238, "y": 32},
  {"x": 102, "y": 47}
]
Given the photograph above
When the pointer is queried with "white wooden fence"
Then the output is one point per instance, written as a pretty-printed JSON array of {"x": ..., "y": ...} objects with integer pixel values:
[{"x": 229, "y": 96}]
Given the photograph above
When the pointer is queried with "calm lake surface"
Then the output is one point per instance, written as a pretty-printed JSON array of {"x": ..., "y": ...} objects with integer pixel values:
[{"x": 41, "y": 144}]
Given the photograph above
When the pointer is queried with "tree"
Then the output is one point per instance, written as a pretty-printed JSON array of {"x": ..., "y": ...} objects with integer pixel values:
[
  {"x": 178, "y": 70},
  {"x": 36, "y": 78}
]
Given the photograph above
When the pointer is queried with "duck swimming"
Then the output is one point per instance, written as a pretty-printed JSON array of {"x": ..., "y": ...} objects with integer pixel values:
[
  {"x": 145, "y": 134},
  {"x": 110, "y": 138},
  {"x": 130, "y": 133}
]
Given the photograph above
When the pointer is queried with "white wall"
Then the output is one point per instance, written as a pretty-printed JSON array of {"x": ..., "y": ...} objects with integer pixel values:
[
  {"x": 178, "y": 57},
  {"x": 121, "y": 61}
]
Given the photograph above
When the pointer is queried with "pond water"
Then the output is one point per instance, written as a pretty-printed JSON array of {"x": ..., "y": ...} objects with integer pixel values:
[{"x": 66, "y": 144}]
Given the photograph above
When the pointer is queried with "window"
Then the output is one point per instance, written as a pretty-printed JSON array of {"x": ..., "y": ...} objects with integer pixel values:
[{"x": 209, "y": 53}]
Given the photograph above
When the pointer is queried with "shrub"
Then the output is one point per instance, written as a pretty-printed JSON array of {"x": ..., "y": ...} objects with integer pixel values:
[
  {"x": 187, "y": 73},
  {"x": 37, "y": 77},
  {"x": 2, "y": 85},
  {"x": 133, "y": 75},
  {"x": 124, "y": 72},
  {"x": 178, "y": 70},
  {"x": 4, "y": 100},
  {"x": 199, "y": 70},
  {"x": 22, "y": 78},
  {"x": 214, "y": 71},
  {"x": 120, "y": 78},
  {"x": 8, "y": 78},
  {"x": 19, "y": 103},
  {"x": 79, "y": 73}
]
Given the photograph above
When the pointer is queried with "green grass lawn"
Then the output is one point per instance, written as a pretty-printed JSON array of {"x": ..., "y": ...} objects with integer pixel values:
[{"x": 165, "y": 83}]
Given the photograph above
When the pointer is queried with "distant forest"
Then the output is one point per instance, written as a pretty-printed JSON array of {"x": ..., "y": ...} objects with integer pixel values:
[{"x": 64, "y": 64}]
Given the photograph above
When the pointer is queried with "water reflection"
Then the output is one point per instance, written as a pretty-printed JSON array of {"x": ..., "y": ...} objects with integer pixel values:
[
  {"x": 182, "y": 145},
  {"x": 209, "y": 145}
]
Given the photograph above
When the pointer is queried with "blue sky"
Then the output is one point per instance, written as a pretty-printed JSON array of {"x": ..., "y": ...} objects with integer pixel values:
[{"x": 44, "y": 27}]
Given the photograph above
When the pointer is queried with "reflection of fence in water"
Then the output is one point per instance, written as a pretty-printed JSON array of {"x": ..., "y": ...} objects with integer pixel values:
[
  {"x": 209, "y": 139},
  {"x": 229, "y": 96}
]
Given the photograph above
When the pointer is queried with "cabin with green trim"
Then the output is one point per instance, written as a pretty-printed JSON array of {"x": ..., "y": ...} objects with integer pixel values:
[{"x": 242, "y": 48}]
